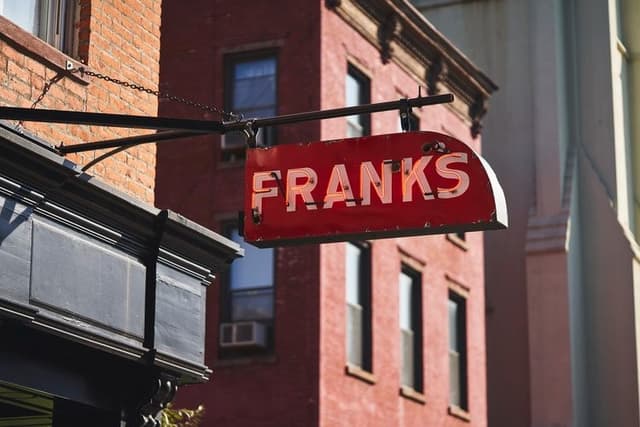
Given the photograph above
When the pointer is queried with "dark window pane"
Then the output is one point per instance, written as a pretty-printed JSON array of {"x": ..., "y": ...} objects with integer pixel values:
[
  {"x": 408, "y": 358},
  {"x": 49, "y": 20},
  {"x": 410, "y": 321},
  {"x": 357, "y": 93},
  {"x": 254, "y": 88},
  {"x": 358, "y": 318},
  {"x": 352, "y": 272},
  {"x": 354, "y": 334},
  {"x": 252, "y": 305},
  {"x": 457, "y": 351},
  {"x": 406, "y": 283},
  {"x": 453, "y": 325},
  {"x": 24, "y": 13},
  {"x": 454, "y": 378},
  {"x": 254, "y": 270},
  {"x": 251, "y": 92}
]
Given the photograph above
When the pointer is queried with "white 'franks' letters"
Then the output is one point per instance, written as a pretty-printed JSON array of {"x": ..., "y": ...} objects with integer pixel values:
[
  {"x": 301, "y": 182},
  {"x": 304, "y": 190},
  {"x": 369, "y": 176},
  {"x": 340, "y": 178},
  {"x": 416, "y": 174},
  {"x": 259, "y": 192}
]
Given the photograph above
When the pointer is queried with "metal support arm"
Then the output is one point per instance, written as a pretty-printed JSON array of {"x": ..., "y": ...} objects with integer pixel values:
[{"x": 176, "y": 128}]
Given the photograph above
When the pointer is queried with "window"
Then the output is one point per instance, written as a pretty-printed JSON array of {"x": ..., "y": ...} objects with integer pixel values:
[
  {"x": 357, "y": 91},
  {"x": 49, "y": 20},
  {"x": 410, "y": 304},
  {"x": 358, "y": 296},
  {"x": 457, "y": 351},
  {"x": 250, "y": 90},
  {"x": 251, "y": 282},
  {"x": 248, "y": 293}
]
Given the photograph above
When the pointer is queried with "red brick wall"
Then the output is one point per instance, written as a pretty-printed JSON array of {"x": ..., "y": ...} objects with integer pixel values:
[
  {"x": 282, "y": 389},
  {"x": 304, "y": 383},
  {"x": 117, "y": 38},
  {"x": 349, "y": 401}
]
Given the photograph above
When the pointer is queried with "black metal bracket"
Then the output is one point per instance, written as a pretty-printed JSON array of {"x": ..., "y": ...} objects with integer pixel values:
[
  {"x": 172, "y": 128},
  {"x": 405, "y": 112},
  {"x": 250, "y": 132}
]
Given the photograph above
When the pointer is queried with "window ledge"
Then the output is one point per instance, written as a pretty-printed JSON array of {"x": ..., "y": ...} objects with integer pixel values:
[
  {"x": 412, "y": 394},
  {"x": 241, "y": 361},
  {"x": 361, "y": 374},
  {"x": 457, "y": 241},
  {"x": 458, "y": 412},
  {"x": 38, "y": 49}
]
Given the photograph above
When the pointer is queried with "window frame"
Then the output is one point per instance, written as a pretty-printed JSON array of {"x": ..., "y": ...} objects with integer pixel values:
[
  {"x": 226, "y": 301},
  {"x": 365, "y": 302},
  {"x": 270, "y": 134},
  {"x": 50, "y": 17},
  {"x": 416, "y": 329},
  {"x": 461, "y": 342},
  {"x": 364, "y": 97}
]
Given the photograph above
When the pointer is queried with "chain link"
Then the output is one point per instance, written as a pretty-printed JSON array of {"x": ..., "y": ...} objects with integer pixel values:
[
  {"x": 227, "y": 116},
  {"x": 45, "y": 89}
]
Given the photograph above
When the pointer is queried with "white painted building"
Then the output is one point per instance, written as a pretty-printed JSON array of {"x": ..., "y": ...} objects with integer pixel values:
[{"x": 563, "y": 135}]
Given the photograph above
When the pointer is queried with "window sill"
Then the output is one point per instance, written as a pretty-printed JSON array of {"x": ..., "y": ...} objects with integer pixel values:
[
  {"x": 412, "y": 394},
  {"x": 458, "y": 412},
  {"x": 359, "y": 373},
  {"x": 242, "y": 361},
  {"x": 457, "y": 241},
  {"x": 38, "y": 49}
]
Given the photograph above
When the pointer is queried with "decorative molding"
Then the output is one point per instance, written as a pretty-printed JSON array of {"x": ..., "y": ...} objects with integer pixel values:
[
  {"x": 457, "y": 286},
  {"x": 359, "y": 373},
  {"x": 477, "y": 110},
  {"x": 196, "y": 373},
  {"x": 163, "y": 388},
  {"x": 332, "y": 4},
  {"x": 457, "y": 241},
  {"x": 17, "y": 310},
  {"x": 387, "y": 32},
  {"x": 411, "y": 394},
  {"x": 458, "y": 412},
  {"x": 548, "y": 233},
  {"x": 436, "y": 73},
  {"x": 411, "y": 42}
]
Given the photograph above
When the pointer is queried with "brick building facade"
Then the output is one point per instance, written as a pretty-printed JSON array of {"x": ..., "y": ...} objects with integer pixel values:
[
  {"x": 117, "y": 39},
  {"x": 92, "y": 278},
  {"x": 335, "y": 317}
]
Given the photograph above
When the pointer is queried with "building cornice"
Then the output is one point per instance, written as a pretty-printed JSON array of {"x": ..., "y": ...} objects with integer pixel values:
[{"x": 404, "y": 36}]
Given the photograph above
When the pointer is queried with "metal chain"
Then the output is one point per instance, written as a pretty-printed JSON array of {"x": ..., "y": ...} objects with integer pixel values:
[
  {"x": 227, "y": 116},
  {"x": 55, "y": 79},
  {"x": 45, "y": 89}
]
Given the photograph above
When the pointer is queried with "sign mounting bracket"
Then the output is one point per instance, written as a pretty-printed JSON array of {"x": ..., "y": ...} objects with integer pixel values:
[{"x": 173, "y": 128}]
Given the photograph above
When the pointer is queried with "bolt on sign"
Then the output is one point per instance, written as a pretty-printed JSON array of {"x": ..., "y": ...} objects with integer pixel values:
[{"x": 401, "y": 184}]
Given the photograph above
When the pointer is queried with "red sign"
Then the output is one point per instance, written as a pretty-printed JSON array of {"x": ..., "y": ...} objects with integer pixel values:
[{"x": 401, "y": 184}]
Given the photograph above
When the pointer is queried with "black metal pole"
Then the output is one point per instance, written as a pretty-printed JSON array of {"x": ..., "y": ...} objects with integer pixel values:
[
  {"x": 127, "y": 141},
  {"x": 178, "y": 128},
  {"x": 340, "y": 112},
  {"x": 110, "y": 120}
]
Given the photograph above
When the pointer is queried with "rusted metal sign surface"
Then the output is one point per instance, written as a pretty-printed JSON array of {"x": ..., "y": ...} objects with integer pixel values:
[{"x": 402, "y": 184}]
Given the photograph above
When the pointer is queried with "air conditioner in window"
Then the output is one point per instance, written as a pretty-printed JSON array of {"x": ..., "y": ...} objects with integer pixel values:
[{"x": 243, "y": 334}]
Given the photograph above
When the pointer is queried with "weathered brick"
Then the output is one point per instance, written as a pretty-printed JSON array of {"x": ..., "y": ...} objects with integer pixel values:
[
  {"x": 304, "y": 383},
  {"x": 106, "y": 31}
]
